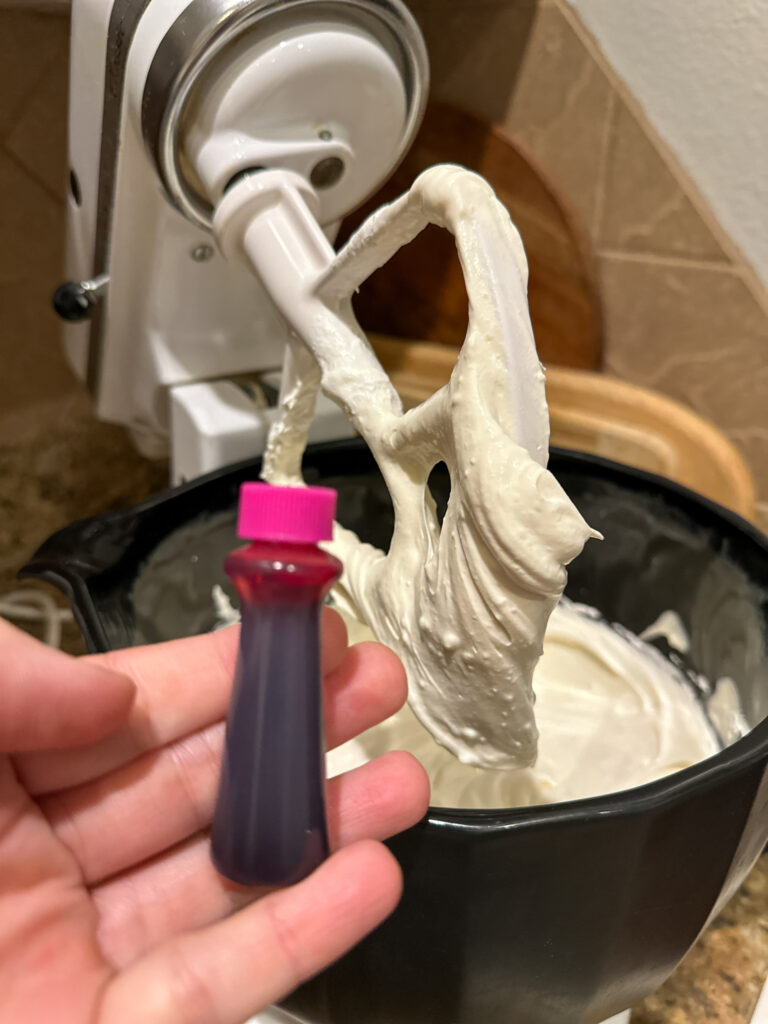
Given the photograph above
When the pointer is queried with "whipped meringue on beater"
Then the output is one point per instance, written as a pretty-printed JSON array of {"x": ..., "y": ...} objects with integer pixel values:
[{"x": 465, "y": 605}]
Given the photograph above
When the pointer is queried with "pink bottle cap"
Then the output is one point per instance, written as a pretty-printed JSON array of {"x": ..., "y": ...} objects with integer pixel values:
[{"x": 302, "y": 515}]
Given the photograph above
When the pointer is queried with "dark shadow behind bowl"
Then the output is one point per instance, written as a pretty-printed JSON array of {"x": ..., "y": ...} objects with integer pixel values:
[{"x": 565, "y": 913}]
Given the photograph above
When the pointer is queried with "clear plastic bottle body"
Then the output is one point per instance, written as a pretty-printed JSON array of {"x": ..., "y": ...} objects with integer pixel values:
[{"x": 269, "y": 825}]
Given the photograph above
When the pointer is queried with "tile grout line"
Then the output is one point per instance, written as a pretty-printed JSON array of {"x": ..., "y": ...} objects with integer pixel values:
[
  {"x": 602, "y": 170},
  {"x": 57, "y": 197},
  {"x": 18, "y": 113},
  {"x": 690, "y": 189},
  {"x": 62, "y": 50},
  {"x": 743, "y": 272},
  {"x": 665, "y": 260}
]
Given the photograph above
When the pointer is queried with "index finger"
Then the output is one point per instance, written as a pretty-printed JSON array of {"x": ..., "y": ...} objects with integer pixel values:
[{"x": 181, "y": 686}]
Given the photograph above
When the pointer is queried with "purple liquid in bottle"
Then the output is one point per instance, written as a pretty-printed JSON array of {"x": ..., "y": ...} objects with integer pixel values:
[{"x": 269, "y": 826}]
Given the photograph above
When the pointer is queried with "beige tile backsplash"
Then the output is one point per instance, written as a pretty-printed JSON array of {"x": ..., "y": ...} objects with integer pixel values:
[
  {"x": 645, "y": 208},
  {"x": 42, "y": 132},
  {"x": 683, "y": 313},
  {"x": 519, "y": 64},
  {"x": 28, "y": 44},
  {"x": 694, "y": 332}
]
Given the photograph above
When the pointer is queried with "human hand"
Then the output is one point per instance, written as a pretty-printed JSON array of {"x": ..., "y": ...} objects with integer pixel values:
[{"x": 110, "y": 908}]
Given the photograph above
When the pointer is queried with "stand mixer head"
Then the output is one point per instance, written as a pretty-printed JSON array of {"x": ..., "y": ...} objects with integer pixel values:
[{"x": 170, "y": 103}]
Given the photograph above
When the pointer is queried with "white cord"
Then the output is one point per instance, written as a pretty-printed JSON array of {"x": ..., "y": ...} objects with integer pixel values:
[{"x": 30, "y": 605}]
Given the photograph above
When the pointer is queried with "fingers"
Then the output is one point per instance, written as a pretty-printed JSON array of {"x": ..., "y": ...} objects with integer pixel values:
[
  {"x": 378, "y": 799},
  {"x": 367, "y": 687},
  {"x": 237, "y": 967},
  {"x": 182, "y": 686},
  {"x": 182, "y": 890},
  {"x": 159, "y": 799},
  {"x": 49, "y": 699}
]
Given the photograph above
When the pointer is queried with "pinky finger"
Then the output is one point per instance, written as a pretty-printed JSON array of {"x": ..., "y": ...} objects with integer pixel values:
[{"x": 237, "y": 967}]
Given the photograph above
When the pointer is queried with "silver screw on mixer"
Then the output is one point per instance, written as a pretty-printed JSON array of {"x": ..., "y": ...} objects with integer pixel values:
[
  {"x": 202, "y": 253},
  {"x": 327, "y": 172},
  {"x": 325, "y": 134}
]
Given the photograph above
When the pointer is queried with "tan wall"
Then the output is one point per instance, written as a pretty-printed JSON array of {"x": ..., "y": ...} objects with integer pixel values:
[{"x": 683, "y": 311}]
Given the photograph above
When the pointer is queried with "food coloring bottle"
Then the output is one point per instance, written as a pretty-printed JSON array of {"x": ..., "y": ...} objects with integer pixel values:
[{"x": 269, "y": 825}]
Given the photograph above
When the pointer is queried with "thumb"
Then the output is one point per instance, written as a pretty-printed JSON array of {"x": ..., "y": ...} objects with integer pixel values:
[{"x": 49, "y": 699}]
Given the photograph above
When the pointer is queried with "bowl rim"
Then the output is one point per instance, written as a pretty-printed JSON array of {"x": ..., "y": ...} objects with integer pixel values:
[{"x": 748, "y": 751}]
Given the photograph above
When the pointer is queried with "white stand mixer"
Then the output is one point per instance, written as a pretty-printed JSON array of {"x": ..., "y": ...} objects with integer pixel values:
[{"x": 170, "y": 103}]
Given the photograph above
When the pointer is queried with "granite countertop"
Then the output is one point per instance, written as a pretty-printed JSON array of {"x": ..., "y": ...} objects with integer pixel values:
[
  {"x": 719, "y": 982},
  {"x": 57, "y": 464}
]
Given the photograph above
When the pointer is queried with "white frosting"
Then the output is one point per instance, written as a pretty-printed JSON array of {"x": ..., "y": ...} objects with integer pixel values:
[
  {"x": 670, "y": 626},
  {"x": 465, "y": 606},
  {"x": 724, "y": 709},
  {"x": 612, "y": 713}
]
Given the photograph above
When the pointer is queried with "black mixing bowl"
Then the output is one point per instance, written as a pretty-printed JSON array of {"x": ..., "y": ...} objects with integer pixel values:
[{"x": 564, "y": 913}]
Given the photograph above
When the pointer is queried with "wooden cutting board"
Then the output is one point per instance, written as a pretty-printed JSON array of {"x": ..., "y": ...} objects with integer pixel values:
[{"x": 420, "y": 293}]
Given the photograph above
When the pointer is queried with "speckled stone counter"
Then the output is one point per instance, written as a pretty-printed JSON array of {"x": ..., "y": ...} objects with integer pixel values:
[
  {"x": 57, "y": 464},
  {"x": 721, "y": 978}
]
